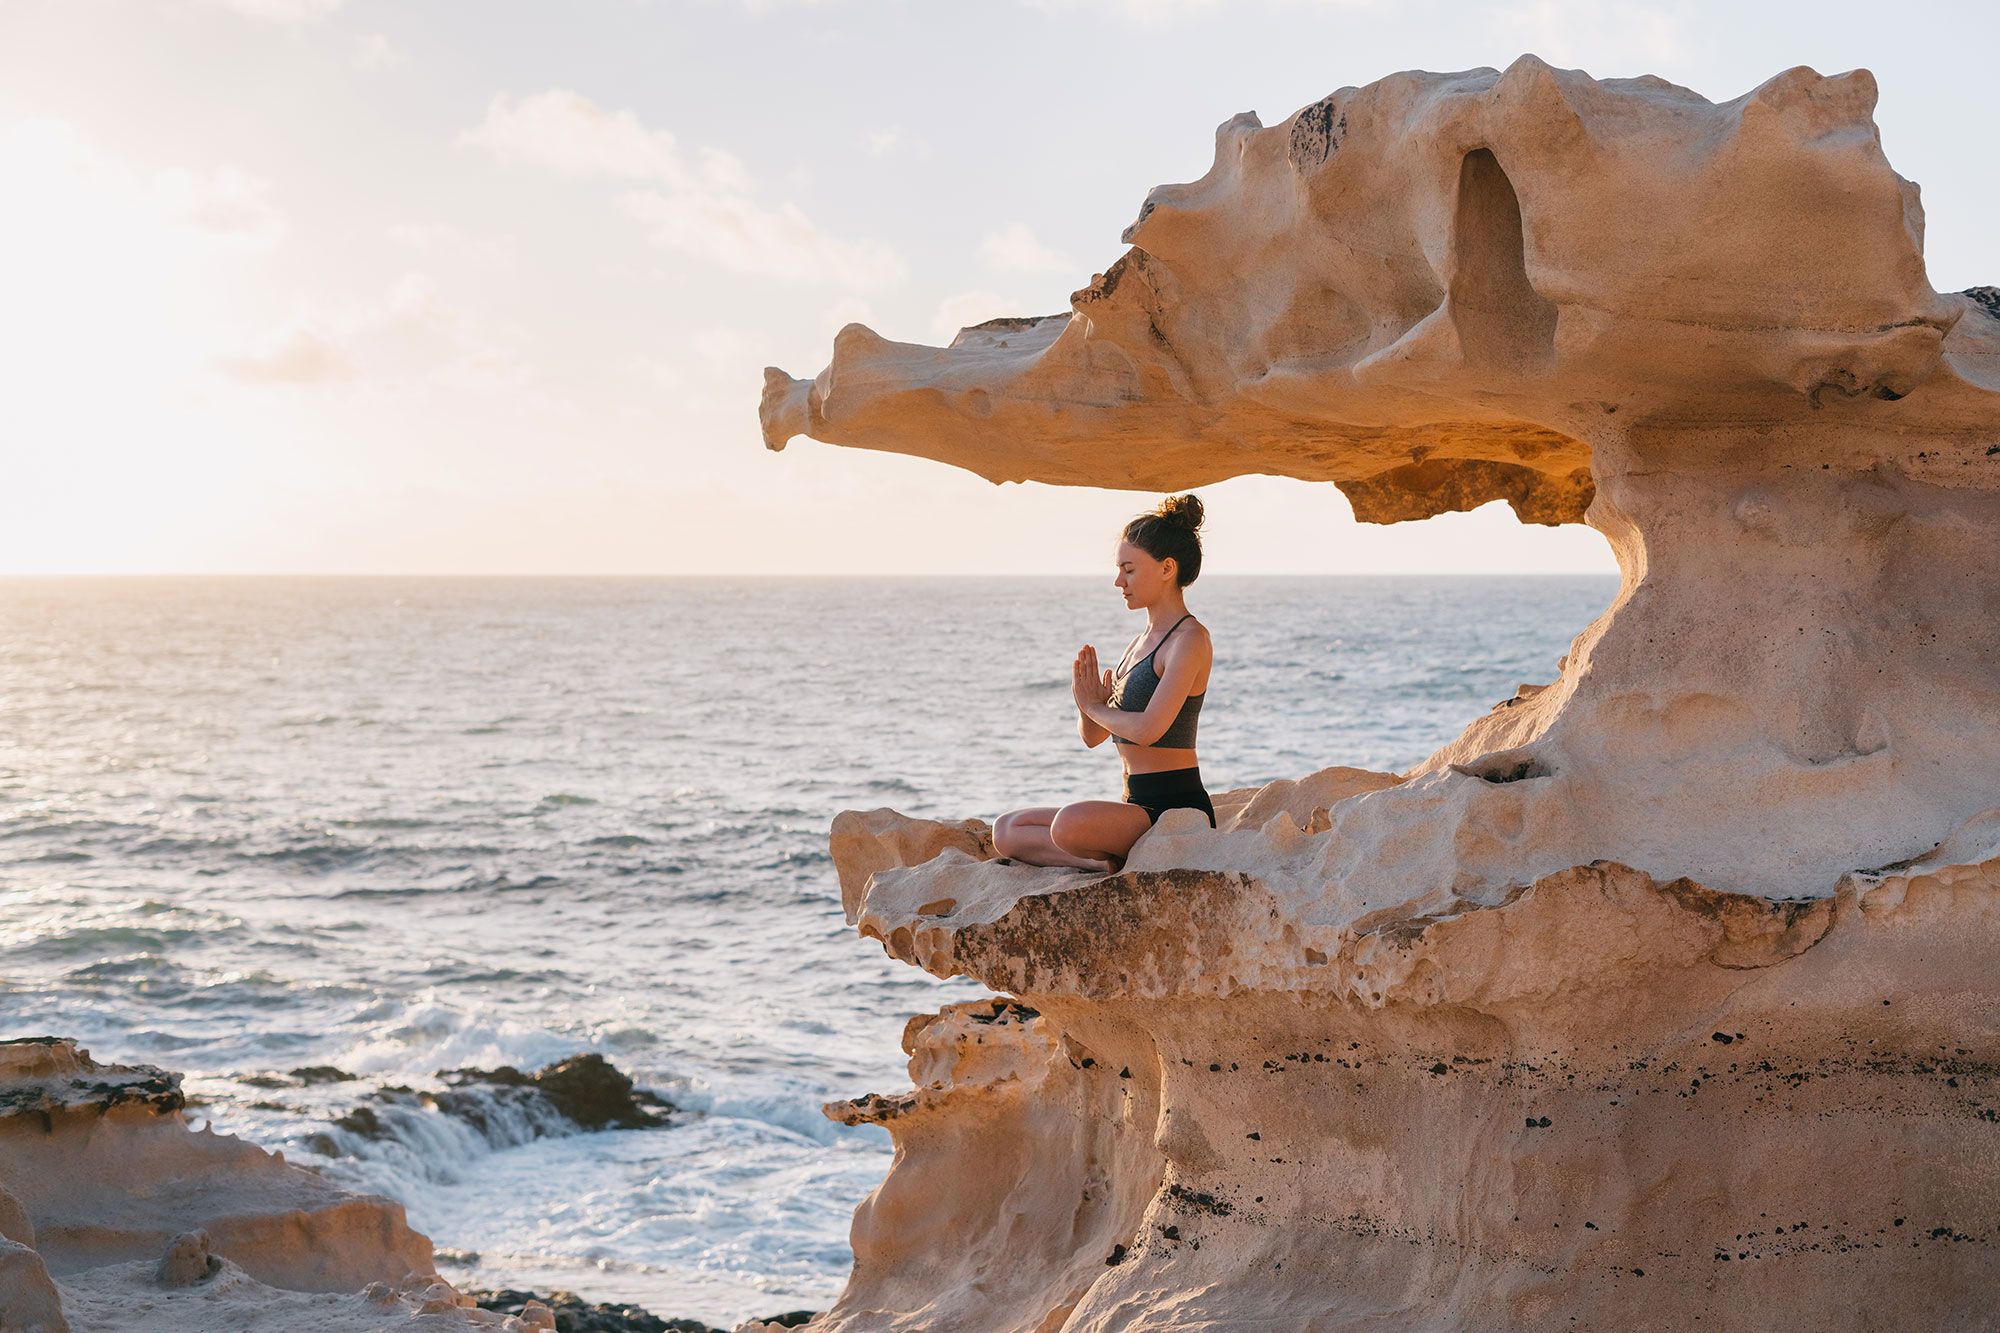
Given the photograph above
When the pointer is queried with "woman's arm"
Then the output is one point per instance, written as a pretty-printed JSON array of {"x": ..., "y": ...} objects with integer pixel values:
[
  {"x": 1191, "y": 655},
  {"x": 1092, "y": 734}
]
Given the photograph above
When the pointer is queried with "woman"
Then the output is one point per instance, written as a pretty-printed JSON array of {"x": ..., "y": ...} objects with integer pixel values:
[{"x": 1148, "y": 706}]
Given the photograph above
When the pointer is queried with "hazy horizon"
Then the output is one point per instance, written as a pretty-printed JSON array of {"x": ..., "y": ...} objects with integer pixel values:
[
  {"x": 1208, "y": 576},
  {"x": 356, "y": 287}
]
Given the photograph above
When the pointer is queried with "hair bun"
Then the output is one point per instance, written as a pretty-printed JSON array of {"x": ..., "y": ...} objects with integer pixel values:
[{"x": 1182, "y": 511}]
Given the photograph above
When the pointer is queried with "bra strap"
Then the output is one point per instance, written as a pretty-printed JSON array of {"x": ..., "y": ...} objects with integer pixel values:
[
  {"x": 1123, "y": 668},
  {"x": 1170, "y": 633}
]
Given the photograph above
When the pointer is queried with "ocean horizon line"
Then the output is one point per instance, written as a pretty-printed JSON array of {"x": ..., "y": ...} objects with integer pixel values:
[{"x": 1211, "y": 577}]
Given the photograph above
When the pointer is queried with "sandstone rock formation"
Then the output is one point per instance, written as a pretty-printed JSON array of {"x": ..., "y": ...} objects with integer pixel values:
[
  {"x": 1669, "y": 991},
  {"x": 115, "y": 1215}
]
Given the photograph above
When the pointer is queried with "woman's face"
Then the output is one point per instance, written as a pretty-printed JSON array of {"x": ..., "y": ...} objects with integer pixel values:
[{"x": 1141, "y": 578}]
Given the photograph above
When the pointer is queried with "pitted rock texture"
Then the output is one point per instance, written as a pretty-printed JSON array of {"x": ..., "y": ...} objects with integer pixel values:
[
  {"x": 1664, "y": 996},
  {"x": 1603, "y": 1097}
]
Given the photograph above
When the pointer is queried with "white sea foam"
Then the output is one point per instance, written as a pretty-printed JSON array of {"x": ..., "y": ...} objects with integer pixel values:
[{"x": 407, "y": 826}]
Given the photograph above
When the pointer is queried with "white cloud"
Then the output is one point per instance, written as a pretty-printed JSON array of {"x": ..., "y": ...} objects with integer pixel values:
[
  {"x": 374, "y": 52},
  {"x": 1017, "y": 249},
  {"x": 299, "y": 356},
  {"x": 451, "y": 242},
  {"x": 227, "y": 203},
  {"x": 222, "y": 203},
  {"x": 1165, "y": 11},
  {"x": 780, "y": 242},
  {"x": 966, "y": 309},
  {"x": 280, "y": 11},
  {"x": 882, "y": 142},
  {"x": 1145, "y": 11},
  {"x": 568, "y": 133},
  {"x": 704, "y": 206},
  {"x": 412, "y": 333}
]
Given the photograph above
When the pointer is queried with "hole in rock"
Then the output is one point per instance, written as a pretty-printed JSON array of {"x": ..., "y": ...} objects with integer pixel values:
[
  {"x": 1505, "y": 766},
  {"x": 1500, "y": 318}
]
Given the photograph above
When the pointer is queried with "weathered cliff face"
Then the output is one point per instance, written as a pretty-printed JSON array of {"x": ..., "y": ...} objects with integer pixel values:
[
  {"x": 1667, "y": 990},
  {"x": 1634, "y": 1103}
]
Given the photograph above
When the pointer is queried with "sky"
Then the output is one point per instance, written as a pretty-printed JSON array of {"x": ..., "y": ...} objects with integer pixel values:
[{"x": 480, "y": 286}]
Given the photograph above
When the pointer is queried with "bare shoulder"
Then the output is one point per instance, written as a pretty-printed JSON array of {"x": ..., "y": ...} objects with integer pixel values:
[{"x": 1194, "y": 641}]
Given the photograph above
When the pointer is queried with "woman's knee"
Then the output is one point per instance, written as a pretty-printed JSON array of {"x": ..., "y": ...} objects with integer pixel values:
[
  {"x": 1003, "y": 834},
  {"x": 1074, "y": 831}
]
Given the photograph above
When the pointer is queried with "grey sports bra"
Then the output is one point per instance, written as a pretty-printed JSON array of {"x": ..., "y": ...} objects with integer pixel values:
[{"x": 1132, "y": 689}]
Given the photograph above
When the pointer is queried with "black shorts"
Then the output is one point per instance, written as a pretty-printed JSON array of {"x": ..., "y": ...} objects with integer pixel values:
[{"x": 1175, "y": 789}]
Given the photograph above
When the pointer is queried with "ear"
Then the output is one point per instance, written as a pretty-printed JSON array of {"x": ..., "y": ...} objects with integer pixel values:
[{"x": 1173, "y": 568}]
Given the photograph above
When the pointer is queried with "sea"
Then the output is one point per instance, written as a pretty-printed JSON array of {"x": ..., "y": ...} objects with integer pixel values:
[{"x": 399, "y": 826}]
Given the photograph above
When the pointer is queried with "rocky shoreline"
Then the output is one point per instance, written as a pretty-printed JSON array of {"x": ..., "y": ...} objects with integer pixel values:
[
  {"x": 115, "y": 1214},
  {"x": 573, "y": 1314}
]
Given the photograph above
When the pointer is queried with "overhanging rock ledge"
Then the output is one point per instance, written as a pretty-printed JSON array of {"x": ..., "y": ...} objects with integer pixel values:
[{"x": 1670, "y": 989}]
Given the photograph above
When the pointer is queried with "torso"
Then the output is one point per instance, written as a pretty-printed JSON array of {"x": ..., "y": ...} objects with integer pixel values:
[{"x": 1153, "y": 758}]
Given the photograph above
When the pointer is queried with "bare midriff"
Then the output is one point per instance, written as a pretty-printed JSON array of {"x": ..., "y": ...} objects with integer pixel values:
[{"x": 1146, "y": 759}]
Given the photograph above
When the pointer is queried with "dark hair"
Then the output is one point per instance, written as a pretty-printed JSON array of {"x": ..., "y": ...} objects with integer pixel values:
[{"x": 1174, "y": 529}]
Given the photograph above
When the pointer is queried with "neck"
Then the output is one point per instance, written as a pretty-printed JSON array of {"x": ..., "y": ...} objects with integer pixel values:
[{"x": 1166, "y": 611}]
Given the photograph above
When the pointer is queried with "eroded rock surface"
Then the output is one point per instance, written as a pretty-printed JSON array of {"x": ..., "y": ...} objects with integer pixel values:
[
  {"x": 1212, "y": 1106},
  {"x": 1664, "y": 995},
  {"x": 116, "y": 1215}
]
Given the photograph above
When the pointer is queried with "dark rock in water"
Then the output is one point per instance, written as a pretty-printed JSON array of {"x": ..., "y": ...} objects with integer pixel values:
[
  {"x": 322, "y": 1074},
  {"x": 575, "y": 1315},
  {"x": 303, "y": 1076},
  {"x": 791, "y": 1319},
  {"x": 362, "y": 1120},
  {"x": 586, "y": 1088},
  {"x": 508, "y": 1107}
]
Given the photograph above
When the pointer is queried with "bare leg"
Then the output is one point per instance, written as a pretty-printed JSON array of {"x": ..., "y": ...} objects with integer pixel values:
[
  {"x": 1099, "y": 830},
  {"x": 1023, "y": 835}
]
